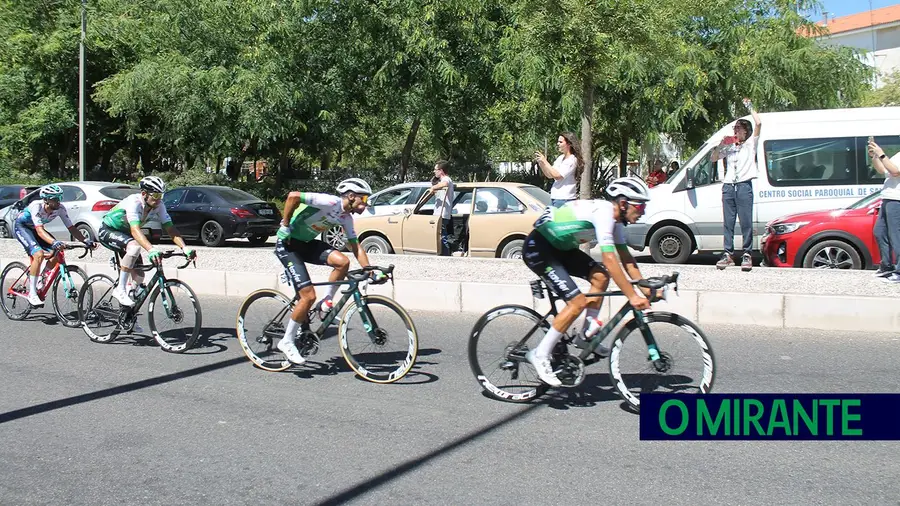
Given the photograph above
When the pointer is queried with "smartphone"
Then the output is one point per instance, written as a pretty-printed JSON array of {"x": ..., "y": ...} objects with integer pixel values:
[
  {"x": 871, "y": 139},
  {"x": 731, "y": 139}
]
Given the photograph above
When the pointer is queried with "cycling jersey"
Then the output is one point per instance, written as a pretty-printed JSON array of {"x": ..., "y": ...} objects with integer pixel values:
[
  {"x": 130, "y": 212},
  {"x": 317, "y": 213},
  {"x": 580, "y": 222},
  {"x": 36, "y": 216}
]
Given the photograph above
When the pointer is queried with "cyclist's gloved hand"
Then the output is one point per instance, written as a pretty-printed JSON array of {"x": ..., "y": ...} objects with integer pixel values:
[
  {"x": 154, "y": 256},
  {"x": 189, "y": 252},
  {"x": 90, "y": 244},
  {"x": 57, "y": 245},
  {"x": 639, "y": 302},
  {"x": 283, "y": 232},
  {"x": 378, "y": 277}
]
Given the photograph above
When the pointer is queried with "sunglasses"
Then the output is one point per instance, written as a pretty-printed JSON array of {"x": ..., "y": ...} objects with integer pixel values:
[
  {"x": 364, "y": 198},
  {"x": 640, "y": 206},
  {"x": 156, "y": 196}
]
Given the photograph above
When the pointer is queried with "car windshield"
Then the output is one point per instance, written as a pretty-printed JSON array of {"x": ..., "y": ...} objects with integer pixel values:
[
  {"x": 691, "y": 162},
  {"x": 542, "y": 196},
  {"x": 118, "y": 192},
  {"x": 234, "y": 195},
  {"x": 865, "y": 201}
]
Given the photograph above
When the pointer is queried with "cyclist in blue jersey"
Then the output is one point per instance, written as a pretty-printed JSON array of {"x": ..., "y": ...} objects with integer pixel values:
[{"x": 552, "y": 252}]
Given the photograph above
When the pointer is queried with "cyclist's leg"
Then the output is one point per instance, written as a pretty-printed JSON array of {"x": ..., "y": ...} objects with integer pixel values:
[
  {"x": 130, "y": 250},
  {"x": 579, "y": 264},
  {"x": 34, "y": 247},
  {"x": 320, "y": 253},
  {"x": 289, "y": 254}
]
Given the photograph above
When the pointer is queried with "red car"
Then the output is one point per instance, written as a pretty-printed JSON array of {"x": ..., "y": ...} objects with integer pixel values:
[{"x": 834, "y": 239}]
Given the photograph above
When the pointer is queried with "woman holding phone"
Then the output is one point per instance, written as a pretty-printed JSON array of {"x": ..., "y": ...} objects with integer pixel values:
[{"x": 565, "y": 171}]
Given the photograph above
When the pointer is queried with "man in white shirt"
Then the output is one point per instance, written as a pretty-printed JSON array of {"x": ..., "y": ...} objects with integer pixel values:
[
  {"x": 739, "y": 153},
  {"x": 443, "y": 203},
  {"x": 887, "y": 226}
]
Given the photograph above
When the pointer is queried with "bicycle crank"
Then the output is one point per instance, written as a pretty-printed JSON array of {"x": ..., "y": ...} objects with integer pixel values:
[
  {"x": 570, "y": 371},
  {"x": 308, "y": 343}
]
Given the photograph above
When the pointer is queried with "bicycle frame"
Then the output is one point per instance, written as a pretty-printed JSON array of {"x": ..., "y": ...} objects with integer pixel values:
[
  {"x": 51, "y": 276},
  {"x": 538, "y": 288},
  {"x": 158, "y": 278},
  {"x": 351, "y": 291}
]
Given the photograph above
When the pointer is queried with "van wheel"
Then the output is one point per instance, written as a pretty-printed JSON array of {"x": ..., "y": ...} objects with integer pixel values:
[
  {"x": 832, "y": 255},
  {"x": 670, "y": 245},
  {"x": 375, "y": 245}
]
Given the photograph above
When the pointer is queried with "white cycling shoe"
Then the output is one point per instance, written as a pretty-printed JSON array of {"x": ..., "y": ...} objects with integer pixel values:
[
  {"x": 289, "y": 348},
  {"x": 35, "y": 300},
  {"x": 543, "y": 368},
  {"x": 122, "y": 296}
]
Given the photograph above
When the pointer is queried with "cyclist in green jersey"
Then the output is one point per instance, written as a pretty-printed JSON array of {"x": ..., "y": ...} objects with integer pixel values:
[
  {"x": 306, "y": 216},
  {"x": 552, "y": 252}
]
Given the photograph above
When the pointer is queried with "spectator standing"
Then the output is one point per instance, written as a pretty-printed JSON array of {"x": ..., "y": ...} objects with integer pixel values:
[
  {"x": 565, "y": 171},
  {"x": 443, "y": 203},
  {"x": 657, "y": 175},
  {"x": 887, "y": 226},
  {"x": 739, "y": 152}
]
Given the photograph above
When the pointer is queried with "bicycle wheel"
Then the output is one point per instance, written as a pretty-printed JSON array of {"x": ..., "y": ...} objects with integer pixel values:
[
  {"x": 497, "y": 362},
  {"x": 680, "y": 343},
  {"x": 65, "y": 295},
  {"x": 179, "y": 316},
  {"x": 388, "y": 354},
  {"x": 98, "y": 310},
  {"x": 260, "y": 324},
  {"x": 14, "y": 282}
]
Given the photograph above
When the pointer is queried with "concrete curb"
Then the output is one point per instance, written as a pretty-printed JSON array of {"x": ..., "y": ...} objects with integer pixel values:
[{"x": 776, "y": 310}]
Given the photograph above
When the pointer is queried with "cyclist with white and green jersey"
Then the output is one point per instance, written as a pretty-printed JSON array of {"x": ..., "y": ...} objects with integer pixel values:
[
  {"x": 306, "y": 216},
  {"x": 121, "y": 232},
  {"x": 552, "y": 252}
]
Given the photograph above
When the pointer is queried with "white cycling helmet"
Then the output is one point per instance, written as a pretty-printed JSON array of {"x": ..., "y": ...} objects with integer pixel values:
[
  {"x": 153, "y": 184},
  {"x": 355, "y": 185},
  {"x": 630, "y": 187}
]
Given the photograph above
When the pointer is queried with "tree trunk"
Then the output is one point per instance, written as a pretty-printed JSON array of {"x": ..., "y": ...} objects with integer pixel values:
[
  {"x": 407, "y": 149},
  {"x": 587, "y": 113},
  {"x": 623, "y": 155}
]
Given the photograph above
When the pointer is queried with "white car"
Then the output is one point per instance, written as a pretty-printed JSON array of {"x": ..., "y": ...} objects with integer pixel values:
[{"x": 86, "y": 202}]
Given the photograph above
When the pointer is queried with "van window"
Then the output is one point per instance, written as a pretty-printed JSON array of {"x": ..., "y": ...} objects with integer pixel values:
[
  {"x": 705, "y": 172},
  {"x": 810, "y": 162},
  {"x": 867, "y": 173}
]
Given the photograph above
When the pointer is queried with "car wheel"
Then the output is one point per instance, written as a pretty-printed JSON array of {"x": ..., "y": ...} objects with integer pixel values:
[
  {"x": 670, "y": 245},
  {"x": 832, "y": 255},
  {"x": 4, "y": 231},
  {"x": 513, "y": 249},
  {"x": 258, "y": 240},
  {"x": 335, "y": 238},
  {"x": 376, "y": 245},
  {"x": 86, "y": 231},
  {"x": 212, "y": 234}
]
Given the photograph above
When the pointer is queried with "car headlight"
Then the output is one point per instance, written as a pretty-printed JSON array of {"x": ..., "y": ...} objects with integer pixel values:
[{"x": 787, "y": 228}]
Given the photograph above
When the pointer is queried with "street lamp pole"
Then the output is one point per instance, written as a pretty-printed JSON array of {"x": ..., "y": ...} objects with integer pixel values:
[{"x": 81, "y": 77}]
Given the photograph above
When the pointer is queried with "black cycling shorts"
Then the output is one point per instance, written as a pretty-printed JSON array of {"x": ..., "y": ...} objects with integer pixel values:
[
  {"x": 556, "y": 267},
  {"x": 294, "y": 255},
  {"x": 114, "y": 239}
]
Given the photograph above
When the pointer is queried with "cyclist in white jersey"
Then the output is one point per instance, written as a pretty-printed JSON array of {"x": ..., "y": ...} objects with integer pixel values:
[
  {"x": 306, "y": 216},
  {"x": 552, "y": 252},
  {"x": 38, "y": 243},
  {"x": 121, "y": 232}
]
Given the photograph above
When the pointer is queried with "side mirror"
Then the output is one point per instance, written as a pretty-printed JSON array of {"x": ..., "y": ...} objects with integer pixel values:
[
  {"x": 873, "y": 210},
  {"x": 407, "y": 211},
  {"x": 689, "y": 175}
]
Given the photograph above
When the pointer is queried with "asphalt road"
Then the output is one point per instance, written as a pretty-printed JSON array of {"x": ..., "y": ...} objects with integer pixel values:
[{"x": 125, "y": 423}]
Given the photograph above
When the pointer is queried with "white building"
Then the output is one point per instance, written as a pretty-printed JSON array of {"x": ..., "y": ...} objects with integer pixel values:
[{"x": 875, "y": 32}]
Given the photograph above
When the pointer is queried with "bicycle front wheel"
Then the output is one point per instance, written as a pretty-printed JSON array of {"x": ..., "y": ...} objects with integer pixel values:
[
  {"x": 261, "y": 323},
  {"x": 66, "y": 289},
  {"x": 14, "y": 283},
  {"x": 498, "y": 360},
  {"x": 686, "y": 364},
  {"x": 175, "y": 316},
  {"x": 98, "y": 310},
  {"x": 380, "y": 344}
]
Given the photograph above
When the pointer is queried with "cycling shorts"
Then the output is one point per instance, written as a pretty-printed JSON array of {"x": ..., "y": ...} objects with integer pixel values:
[
  {"x": 556, "y": 267},
  {"x": 294, "y": 255},
  {"x": 29, "y": 239},
  {"x": 114, "y": 239}
]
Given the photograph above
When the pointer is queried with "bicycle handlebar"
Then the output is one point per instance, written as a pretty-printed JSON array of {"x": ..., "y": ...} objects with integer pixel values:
[
  {"x": 77, "y": 245},
  {"x": 169, "y": 254},
  {"x": 360, "y": 275},
  {"x": 658, "y": 281}
]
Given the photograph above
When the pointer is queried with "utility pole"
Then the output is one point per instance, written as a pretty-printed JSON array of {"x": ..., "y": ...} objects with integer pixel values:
[{"x": 81, "y": 78}]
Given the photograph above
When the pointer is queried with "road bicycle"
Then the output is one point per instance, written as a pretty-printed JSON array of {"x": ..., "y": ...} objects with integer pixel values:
[
  {"x": 654, "y": 364},
  {"x": 381, "y": 345},
  {"x": 104, "y": 319},
  {"x": 63, "y": 280}
]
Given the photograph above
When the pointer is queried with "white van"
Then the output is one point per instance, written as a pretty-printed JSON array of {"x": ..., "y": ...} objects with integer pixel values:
[{"x": 807, "y": 161}]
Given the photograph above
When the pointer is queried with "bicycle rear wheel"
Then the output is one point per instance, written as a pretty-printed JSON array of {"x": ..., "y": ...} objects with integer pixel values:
[
  {"x": 497, "y": 360},
  {"x": 261, "y": 323},
  {"x": 175, "y": 322},
  {"x": 686, "y": 363},
  {"x": 65, "y": 295},
  {"x": 387, "y": 353},
  {"x": 14, "y": 283},
  {"x": 98, "y": 310}
]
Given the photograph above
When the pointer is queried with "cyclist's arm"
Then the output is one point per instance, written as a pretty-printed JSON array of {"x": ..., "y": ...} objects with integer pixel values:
[
  {"x": 604, "y": 227},
  {"x": 353, "y": 242},
  {"x": 77, "y": 234},
  {"x": 169, "y": 226},
  {"x": 139, "y": 236},
  {"x": 631, "y": 266},
  {"x": 290, "y": 205},
  {"x": 64, "y": 216},
  {"x": 43, "y": 234}
]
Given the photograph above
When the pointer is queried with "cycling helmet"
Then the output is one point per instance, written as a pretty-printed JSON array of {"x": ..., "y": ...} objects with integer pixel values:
[
  {"x": 355, "y": 185},
  {"x": 629, "y": 187},
  {"x": 51, "y": 191},
  {"x": 153, "y": 184}
]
